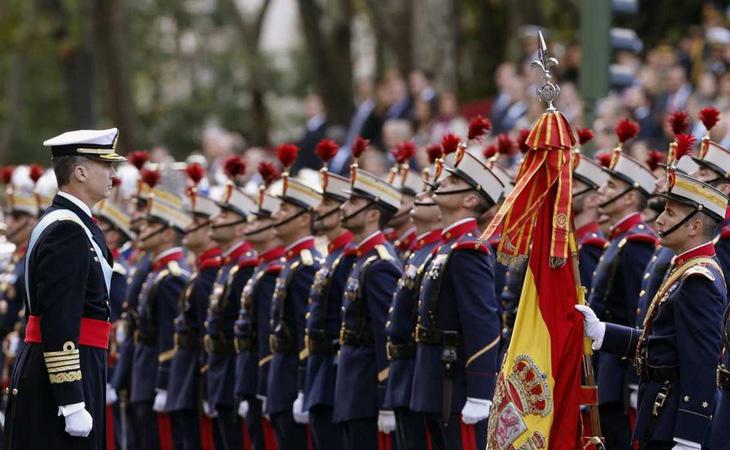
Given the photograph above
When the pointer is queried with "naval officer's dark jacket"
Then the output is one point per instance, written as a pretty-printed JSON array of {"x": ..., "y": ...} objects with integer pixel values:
[
  {"x": 287, "y": 324},
  {"x": 656, "y": 271},
  {"x": 678, "y": 357},
  {"x": 66, "y": 285},
  {"x": 401, "y": 325},
  {"x": 183, "y": 390},
  {"x": 362, "y": 364},
  {"x": 154, "y": 337},
  {"x": 591, "y": 244},
  {"x": 720, "y": 437},
  {"x": 458, "y": 309},
  {"x": 722, "y": 247},
  {"x": 323, "y": 322},
  {"x": 614, "y": 295}
]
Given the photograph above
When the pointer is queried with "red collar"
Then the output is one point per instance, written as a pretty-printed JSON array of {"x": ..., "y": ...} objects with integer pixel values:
[
  {"x": 585, "y": 230},
  {"x": 342, "y": 240},
  {"x": 271, "y": 255},
  {"x": 304, "y": 244},
  {"x": 233, "y": 255},
  {"x": 21, "y": 250},
  {"x": 390, "y": 234},
  {"x": 625, "y": 225},
  {"x": 428, "y": 238},
  {"x": 115, "y": 254},
  {"x": 407, "y": 241},
  {"x": 209, "y": 258},
  {"x": 177, "y": 255},
  {"x": 456, "y": 231},
  {"x": 727, "y": 213},
  {"x": 704, "y": 250},
  {"x": 368, "y": 244}
]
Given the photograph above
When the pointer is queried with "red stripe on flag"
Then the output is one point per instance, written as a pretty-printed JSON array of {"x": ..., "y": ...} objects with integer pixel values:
[
  {"x": 110, "y": 443},
  {"x": 165, "y": 431}
]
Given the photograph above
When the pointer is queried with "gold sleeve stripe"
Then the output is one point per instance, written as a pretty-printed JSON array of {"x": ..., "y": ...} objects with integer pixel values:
[
  {"x": 166, "y": 356},
  {"x": 265, "y": 360},
  {"x": 65, "y": 377},
  {"x": 383, "y": 375},
  {"x": 303, "y": 354},
  {"x": 60, "y": 353},
  {"x": 64, "y": 368},
  {"x": 62, "y": 358},
  {"x": 482, "y": 351},
  {"x": 62, "y": 363}
]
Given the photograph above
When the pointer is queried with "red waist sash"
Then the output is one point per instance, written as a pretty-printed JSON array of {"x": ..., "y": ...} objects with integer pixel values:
[{"x": 93, "y": 333}]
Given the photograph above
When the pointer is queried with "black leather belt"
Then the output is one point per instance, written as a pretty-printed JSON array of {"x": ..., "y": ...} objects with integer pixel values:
[
  {"x": 723, "y": 377},
  {"x": 401, "y": 351},
  {"x": 322, "y": 346},
  {"x": 279, "y": 345},
  {"x": 244, "y": 344},
  {"x": 355, "y": 338},
  {"x": 656, "y": 374},
  {"x": 438, "y": 337},
  {"x": 187, "y": 341},
  {"x": 218, "y": 346},
  {"x": 145, "y": 339}
]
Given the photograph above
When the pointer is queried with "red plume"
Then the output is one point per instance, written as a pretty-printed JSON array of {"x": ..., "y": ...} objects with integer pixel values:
[
  {"x": 490, "y": 151},
  {"x": 684, "y": 144},
  {"x": 326, "y": 150},
  {"x": 404, "y": 152},
  {"x": 654, "y": 158},
  {"x": 505, "y": 144},
  {"x": 36, "y": 172},
  {"x": 478, "y": 127},
  {"x": 679, "y": 122},
  {"x": 626, "y": 129},
  {"x": 604, "y": 159},
  {"x": 269, "y": 172},
  {"x": 195, "y": 172},
  {"x": 138, "y": 158},
  {"x": 116, "y": 181},
  {"x": 234, "y": 166},
  {"x": 287, "y": 154},
  {"x": 450, "y": 142},
  {"x": 151, "y": 176},
  {"x": 6, "y": 173},
  {"x": 522, "y": 136},
  {"x": 584, "y": 135},
  {"x": 360, "y": 146},
  {"x": 709, "y": 117},
  {"x": 434, "y": 152}
]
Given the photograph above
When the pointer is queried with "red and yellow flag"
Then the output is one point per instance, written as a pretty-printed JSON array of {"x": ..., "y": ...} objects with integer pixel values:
[{"x": 538, "y": 394}]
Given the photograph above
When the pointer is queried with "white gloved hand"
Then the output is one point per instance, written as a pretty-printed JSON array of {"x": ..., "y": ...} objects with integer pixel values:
[
  {"x": 111, "y": 395},
  {"x": 300, "y": 416},
  {"x": 592, "y": 327},
  {"x": 475, "y": 410},
  {"x": 263, "y": 405},
  {"x": 386, "y": 421},
  {"x": 79, "y": 423},
  {"x": 120, "y": 334},
  {"x": 208, "y": 411},
  {"x": 683, "y": 444},
  {"x": 243, "y": 409},
  {"x": 160, "y": 401},
  {"x": 633, "y": 395}
]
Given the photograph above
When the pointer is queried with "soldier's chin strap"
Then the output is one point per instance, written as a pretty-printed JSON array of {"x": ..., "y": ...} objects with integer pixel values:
[
  {"x": 202, "y": 225},
  {"x": 290, "y": 218},
  {"x": 456, "y": 191},
  {"x": 229, "y": 224},
  {"x": 584, "y": 191},
  {"x": 616, "y": 197},
  {"x": 370, "y": 203},
  {"x": 334, "y": 210},
  {"x": 154, "y": 233},
  {"x": 417, "y": 203},
  {"x": 259, "y": 230},
  {"x": 663, "y": 234}
]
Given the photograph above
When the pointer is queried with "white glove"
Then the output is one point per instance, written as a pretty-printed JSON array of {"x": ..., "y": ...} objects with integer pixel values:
[
  {"x": 475, "y": 410},
  {"x": 160, "y": 401},
  {"x": 121, "y": 333},
  {"x": 592, "y": 327},
  {"x": 208, "y": 411},
  {"x": 683, "y": 444},
  {"x": 243, "y": 409},
  {"x": 111, "y": 395},
  {"x": 263, "y": 405},
  {"x": 79, "y": 423},
  {"x": 633, "y": 395},
  {"x": 300, "y": 416},
  {"x": 386, "y": 421}
]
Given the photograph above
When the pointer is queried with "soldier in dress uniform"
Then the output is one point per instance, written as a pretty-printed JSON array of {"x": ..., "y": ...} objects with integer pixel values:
[
  {"x": 409, "y": 183},
  {"x": 362, "y": 364},
  {"x": 58, "y": 383},
  {"x": 410, "y": 432},
  {"x": 616, "y": 283},
  {"x": 323, "y": 315},
  {"x": 720, "y": 436},
  {"x": 458, "y": 328},
  {"x": 677, "y": 347},
  {"x": 184, "y": 387},
  {"x": 162, "y": 233},
  {"x": 285, "y": 385},
  {"x": 237, "y": 265},
  {"x": 252, "y": 327}
]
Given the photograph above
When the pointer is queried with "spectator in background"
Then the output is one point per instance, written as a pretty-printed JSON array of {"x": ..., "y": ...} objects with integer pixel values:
[
  {"x": 503, "y": 75},
  {"x": 678, "y": 90},
  {"x": 314, "y": 131},
  {"x": 396, "y": 131},
  {"x": 516, "y": 90},
  {"x": 638, "y": 104},
  {"x": 401, "y": 104},
  {"x": 422, "y": 90},
  {"x": 422, "y": 122},
  {"x": 449, "y": 119}
]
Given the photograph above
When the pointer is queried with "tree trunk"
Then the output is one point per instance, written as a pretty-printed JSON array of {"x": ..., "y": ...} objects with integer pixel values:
[
  {"x": 109, "y": 32},
  {"x": 435, "y": 41},
  {"x": 392, "y": 21}
]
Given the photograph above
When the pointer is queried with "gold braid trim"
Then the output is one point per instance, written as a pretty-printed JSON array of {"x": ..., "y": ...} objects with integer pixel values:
[{"x": 65, "y": 377}]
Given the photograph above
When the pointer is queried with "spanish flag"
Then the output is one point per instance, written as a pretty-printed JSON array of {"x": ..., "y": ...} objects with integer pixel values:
[{"x": 538, "y": 394}]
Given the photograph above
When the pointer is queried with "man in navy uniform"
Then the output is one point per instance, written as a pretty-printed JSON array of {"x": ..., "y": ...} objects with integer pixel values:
[
  {"x": 409, "y": 182},
  {"x": 238, "y": 262},
  {"x": 59, "y": 381},
  {"x": 362, "y": 364},
  {"x": 323, "y": 315},
  {"x": 183, "y": 390},
  {"x": 616, "y": 283},
  {"x": 285, "y": 386},
  {"x": 252, "y": 327},
  {"x": 676, "y": 350},
  {"x": 410, "y": 432},
  {"x": 720, "y": 431},
  {"x": 458, "y": 329},
  {"x": 162, "y": 233}
]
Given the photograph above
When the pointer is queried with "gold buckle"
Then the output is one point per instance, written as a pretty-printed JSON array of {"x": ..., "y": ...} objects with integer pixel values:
[
  {"x": 661, "y": 397},
  {"x": 237, "y": 345},
  {"x": 389, "y": 351},
  {"x": 208, "y": 343}
]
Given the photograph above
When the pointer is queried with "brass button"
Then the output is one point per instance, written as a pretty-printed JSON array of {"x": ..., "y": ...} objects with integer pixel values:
[
  {"x": 15, "y": 391},
  {"x": 646, "y": 276}
]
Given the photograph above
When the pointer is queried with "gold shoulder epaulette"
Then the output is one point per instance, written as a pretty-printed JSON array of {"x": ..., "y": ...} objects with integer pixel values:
[
  {"x": 306, "y": 257},
  {"x": 699, "y": 269},
  {"x": 383, "y": 253},
  {"x": 175, "y": 268}
]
